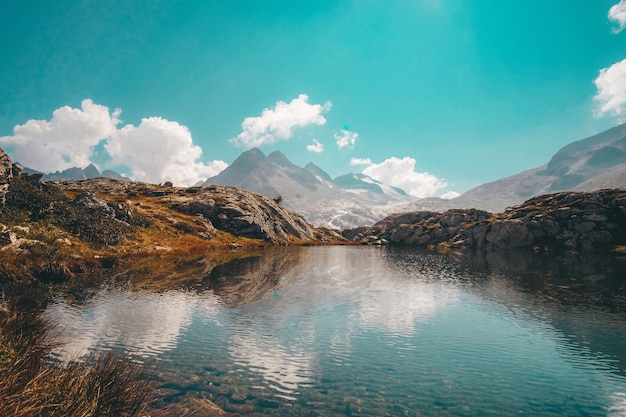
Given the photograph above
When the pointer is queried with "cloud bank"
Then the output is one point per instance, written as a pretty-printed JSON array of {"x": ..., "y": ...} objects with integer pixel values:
[
  {"x": 278, "y": 123},
  {"x": 617, "y": 14},
  {"x": 156, "y": 151},
  {"x": 611, "y": 84},
  {"x": 401, "y": 173},
  {"x": 161, "y": 150},
  {"x": 67, "y": 140}
]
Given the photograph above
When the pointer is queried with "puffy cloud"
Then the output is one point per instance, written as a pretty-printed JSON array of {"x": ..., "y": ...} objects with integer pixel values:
[
  {"x": 611, "y": 84},
  {"x": 157, "y": 150},
  {"x": 66, "y": 141},
  {"x": 401, "y": 173},
  {"x": 279, "y": 122},
  {"x": 346, "y": 138},
  {"x": 617, "y": 13},
  {"x": 450, "y": 195},
  {"x": 315, "y": 147},
  {"x": 360, "y": 161},
  {"x": 160, "y": 150}
]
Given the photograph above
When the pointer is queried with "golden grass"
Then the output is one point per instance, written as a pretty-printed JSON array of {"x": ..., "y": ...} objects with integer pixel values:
[{"x": 108, "y": 385}]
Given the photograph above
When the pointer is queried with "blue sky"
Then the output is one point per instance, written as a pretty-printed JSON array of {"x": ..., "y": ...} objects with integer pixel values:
[{"x": 431, "y": 95}]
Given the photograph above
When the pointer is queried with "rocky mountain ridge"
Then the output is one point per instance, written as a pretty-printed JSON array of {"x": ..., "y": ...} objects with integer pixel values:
[
  {"x": 75, "y": 173},
  {"x": 565, "y": 222}
]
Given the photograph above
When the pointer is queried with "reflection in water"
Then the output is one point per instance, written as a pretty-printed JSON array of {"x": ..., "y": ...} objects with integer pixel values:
[
  {"x": 370, "y": 331},
  {"x": 148, "y": 324},
  {"x": 285, "y": 367}
]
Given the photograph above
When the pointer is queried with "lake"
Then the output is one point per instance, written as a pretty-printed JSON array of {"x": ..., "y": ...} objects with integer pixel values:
[{"x": 369, "y": 331}]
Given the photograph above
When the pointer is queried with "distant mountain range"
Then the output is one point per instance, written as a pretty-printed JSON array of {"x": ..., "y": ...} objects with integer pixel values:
[
  {"x": 346, "y": 201},
  {"x": 89, "y": 172},
  {"x": 590, "y": 164}
]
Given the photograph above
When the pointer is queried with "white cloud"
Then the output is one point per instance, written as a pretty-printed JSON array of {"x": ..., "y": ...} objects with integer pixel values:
[
  {"x": 66, "y": 141},
  {"x": 279, "y": 122},
  {"x": 401, "y": 173},
  {"x": 611, "y": 84},
  {"x": 450, "y": 195},
  {"x": 315, "y": 147},
  {"x": 617, "y": 13},
  {"x": 360, "y": 161},
  {"x": 158, "y": 150},
  {"x": 346, "y": 138}
]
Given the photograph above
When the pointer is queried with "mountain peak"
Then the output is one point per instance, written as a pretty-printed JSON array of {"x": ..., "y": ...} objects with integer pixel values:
[
  {"x": 91, "y": 171},
  {"x": 279, "y": 158},
  {"x": 317, "y": 171}
]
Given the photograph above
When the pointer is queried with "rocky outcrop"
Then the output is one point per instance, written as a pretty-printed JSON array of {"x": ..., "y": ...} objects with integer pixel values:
[
  {"x": 246, "y": 214},
  {"x": 238, "y": 212},
  {"x": 567, "y": 222},
  {"x": 6, "y": 173}
]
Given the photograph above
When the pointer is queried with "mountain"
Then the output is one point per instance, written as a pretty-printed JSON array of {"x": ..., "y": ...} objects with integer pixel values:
[
  {"x": 318, "y": 172},
  {"x": 590, "y": 164},
  {"x": 75, "y": 173},
  {"x": 311, "y": 191}
]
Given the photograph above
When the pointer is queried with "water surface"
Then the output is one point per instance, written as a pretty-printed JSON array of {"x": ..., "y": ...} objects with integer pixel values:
[{"x": 364, "y": 331}]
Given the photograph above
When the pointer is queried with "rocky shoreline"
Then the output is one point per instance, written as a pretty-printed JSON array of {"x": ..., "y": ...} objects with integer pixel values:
[{"x": 571, "y": 223}]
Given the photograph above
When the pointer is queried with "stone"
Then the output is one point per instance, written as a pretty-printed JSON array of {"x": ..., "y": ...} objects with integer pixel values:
[
  {"x": 90, "y": 201},
  {"x": 6, "y": 173},
  {"x": 7, "y": 237}
]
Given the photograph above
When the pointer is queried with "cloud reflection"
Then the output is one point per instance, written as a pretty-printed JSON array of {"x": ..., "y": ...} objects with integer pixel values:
[{"x": 148, "y": 324}]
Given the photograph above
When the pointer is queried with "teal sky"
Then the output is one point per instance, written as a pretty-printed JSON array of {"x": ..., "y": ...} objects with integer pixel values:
[{"x": 472, "y": 90}]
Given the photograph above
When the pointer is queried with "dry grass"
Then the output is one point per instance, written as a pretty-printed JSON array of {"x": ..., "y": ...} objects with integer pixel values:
[{"x": 108, "y": 385}]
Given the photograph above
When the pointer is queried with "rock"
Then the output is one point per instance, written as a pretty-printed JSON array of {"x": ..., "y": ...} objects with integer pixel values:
[
  {"x": 190, "y": 405},
  {"x": 90, "y": 201},
  {"x": 16, "y": 170},
  {"x": 268, "y": 403},
  {"x": 245, "y": 408},
  {"x": 567, "y": 222},
  {"x": 6, "y": 173},
  {"x": 7, "y": 237},
  {"x": 247, "y": 214},
  {"x": 509, "y": 235}
]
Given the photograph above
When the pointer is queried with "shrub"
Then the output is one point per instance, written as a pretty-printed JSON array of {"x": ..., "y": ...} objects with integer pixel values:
[
  {"x": 37, "y": 199},
  {"x": 97, "y": 227}
]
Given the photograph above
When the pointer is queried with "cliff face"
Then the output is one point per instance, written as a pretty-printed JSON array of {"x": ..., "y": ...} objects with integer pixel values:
[{"x": 566, "y": 222}]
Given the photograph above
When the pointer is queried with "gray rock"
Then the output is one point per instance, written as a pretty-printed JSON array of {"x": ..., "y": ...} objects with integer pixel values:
[
  {"x": 90, "y": 201},
  {"x": 567, "y": 222}
]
